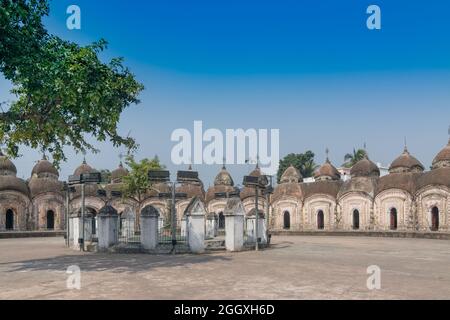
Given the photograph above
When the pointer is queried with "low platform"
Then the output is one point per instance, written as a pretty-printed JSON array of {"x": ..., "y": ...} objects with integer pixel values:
[
  {"x": 30, "y": 234},
  {"x": 386, "y": 234}
]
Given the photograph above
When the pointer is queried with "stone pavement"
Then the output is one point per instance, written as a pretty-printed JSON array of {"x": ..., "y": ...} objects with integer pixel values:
[{"x": 295, "y": 267}]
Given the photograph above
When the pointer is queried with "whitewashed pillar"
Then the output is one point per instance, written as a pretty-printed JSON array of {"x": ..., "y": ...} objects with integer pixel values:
[
  {"x": 149, "y": 227},
  {"x": 262, "y": 229},
  {"x": 108, "y": 221},
  {"x": 75, "y": 230},
  {"x": 196, "y": 231},
  {"x": 234, "y": 225}
]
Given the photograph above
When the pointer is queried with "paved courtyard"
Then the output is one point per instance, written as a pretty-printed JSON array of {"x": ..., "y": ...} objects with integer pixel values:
[{"x": 296, "y": 267}]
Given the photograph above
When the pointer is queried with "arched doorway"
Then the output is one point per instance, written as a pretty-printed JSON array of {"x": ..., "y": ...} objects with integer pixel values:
[
  {"x": 286, "y": 220},
  {"x": 434, "y": 219},
  {"x": 355, "y": 223},
  {"x": 9, "y": 221},
  {"x": 50, "y": 220},
  {"x": 320, "y": 220},
  {"x": 221, "y": 220},
  {"x": 393, "y": 219},
  {"x": 93, "y": 221}
]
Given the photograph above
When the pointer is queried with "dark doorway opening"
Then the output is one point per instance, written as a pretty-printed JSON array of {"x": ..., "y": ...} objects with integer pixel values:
[
  {"x": 434, "y": 219},
  {"x": 50, "y": 220},
  {"x": 9, "y": 222},
  {"x": 94, "y": 222},
  {"x": 355, "y": 220},
  {"x": 320, "y": 220},
  {"x": 393, "y": 219},
  {"x": 221, "y": 220},
  {"x": 286, "y": 220}
]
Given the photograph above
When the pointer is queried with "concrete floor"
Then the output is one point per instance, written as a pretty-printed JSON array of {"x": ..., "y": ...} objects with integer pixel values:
[{"x": 295, "y": 267}]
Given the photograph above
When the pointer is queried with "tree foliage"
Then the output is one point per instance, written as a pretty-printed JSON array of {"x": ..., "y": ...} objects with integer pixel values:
[
  {"x": 304, "y": 162},
  {"x": 136, "y": 183},
  {"x": 352, "y": 158},
  {"x": 64, "y": 92}
]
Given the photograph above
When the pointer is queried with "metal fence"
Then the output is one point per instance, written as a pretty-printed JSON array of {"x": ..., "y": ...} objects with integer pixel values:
[
  {"x": 129, "y": 231},
  {"x": 165, "y": 233}
]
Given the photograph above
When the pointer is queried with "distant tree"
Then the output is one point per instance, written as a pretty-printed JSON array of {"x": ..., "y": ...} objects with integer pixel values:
[
  {"x": 304, "y": 162},
  {"x": 136, "y": 183},
  {"x": 352, "y": 158},
  {"x": 64, "y": 93},
  {"x": 106, "y": 176}
]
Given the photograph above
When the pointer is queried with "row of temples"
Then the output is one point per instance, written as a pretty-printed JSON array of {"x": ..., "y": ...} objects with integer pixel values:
[{"x": 409, "y": 198}]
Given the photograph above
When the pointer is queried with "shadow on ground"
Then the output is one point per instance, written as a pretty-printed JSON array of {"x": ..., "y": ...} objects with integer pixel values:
[{"x": 125, "y": 263}]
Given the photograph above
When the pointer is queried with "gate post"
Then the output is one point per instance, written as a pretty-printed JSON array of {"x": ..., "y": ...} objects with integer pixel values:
[
  {"x": 234, "y": 224},
  {"x": 149, "y": 227},
  {"x": 195, "y": 214},
  {"x": 107, "y": 227},
  {"x": 262, "y": 229},
  {"x": 75, "y": 230}
]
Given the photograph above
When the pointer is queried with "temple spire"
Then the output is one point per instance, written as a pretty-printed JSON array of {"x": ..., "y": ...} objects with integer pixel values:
[
  {"x": 405, "y": 149},
  {"x": 327, "y": 151}
]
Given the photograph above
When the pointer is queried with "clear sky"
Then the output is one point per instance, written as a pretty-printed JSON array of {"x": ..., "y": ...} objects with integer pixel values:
[{"x": 309, "y": 68}]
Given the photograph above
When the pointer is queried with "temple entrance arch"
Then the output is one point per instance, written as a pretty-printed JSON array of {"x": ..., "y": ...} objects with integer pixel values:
[
  {"x": 393, "y": 219},
  {"x": 320, "y": 220},
  {"x": 9, "y": 221},
  {"x": 221, "y": 220},
  {"x": 50, "y": 220},
  {"x": 355, "y": 223},
  {"x": 286, "y": 220},
  {"x": 434, "y": 219}
]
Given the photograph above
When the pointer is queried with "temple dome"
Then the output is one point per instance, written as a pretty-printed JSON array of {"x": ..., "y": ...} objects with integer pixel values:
[
  {"x": 43, "y": 185},
  {"x": 8, "y": 179},
  {"x": 248, "y": 191},
  {"x": 406, "y": 163},
  {"x": 327, "y": 172},
  {"x": 83, "y": 168},
  {"x": 287, "y": 189},
  {"x": 322, "y": 187},
  {"x": 291, "y": 174},
  {"x": 223, "y": 178},
  {"x": 118, "y": 174},
  {"x": 359, "y": 184},
  {"x": 365, "y": 168},
  {"x": 12, "y": 183},
  {"x": 44, "y": 168},
  {"x": 223, "y": 183},
  {"x": 7, "y": 167},
  {"x": 211, "y": 193},
  {"x": 442, "y": 159},
  {"x": 192, "y": 190},
  {"x": 435, "y": 177},
  {"x": 405, "y": 181}
]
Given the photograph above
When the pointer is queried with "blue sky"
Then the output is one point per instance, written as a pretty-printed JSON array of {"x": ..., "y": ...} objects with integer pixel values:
[{"x": 310, "y": 68}]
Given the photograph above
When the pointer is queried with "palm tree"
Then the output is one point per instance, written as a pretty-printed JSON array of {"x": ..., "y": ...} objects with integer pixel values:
[{"x": 351, "y": 159}]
